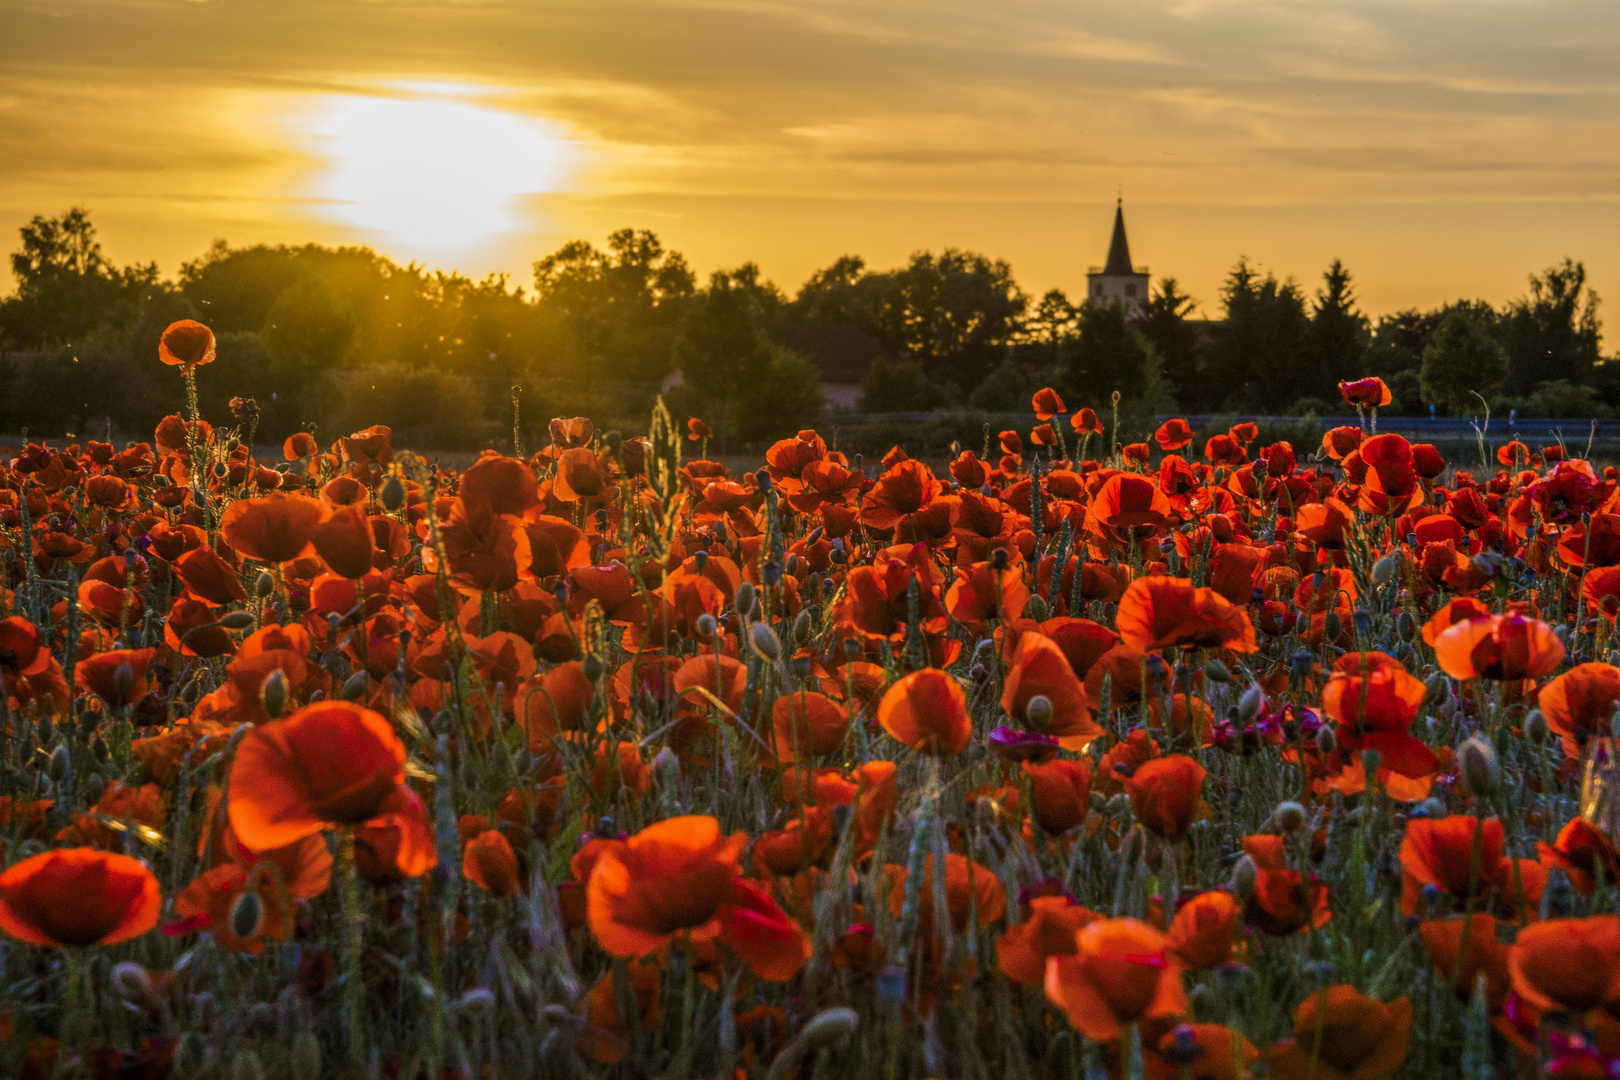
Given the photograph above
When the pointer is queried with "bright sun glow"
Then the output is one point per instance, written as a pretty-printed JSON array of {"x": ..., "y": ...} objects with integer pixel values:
[{"x": 432, "y": 170}]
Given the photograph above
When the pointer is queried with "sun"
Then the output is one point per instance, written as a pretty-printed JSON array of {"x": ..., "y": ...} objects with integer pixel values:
[{"x": 431, "y": 166}]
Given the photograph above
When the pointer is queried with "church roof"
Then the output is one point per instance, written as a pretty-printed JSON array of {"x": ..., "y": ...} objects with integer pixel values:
[{"x": 1119, "y": 249}]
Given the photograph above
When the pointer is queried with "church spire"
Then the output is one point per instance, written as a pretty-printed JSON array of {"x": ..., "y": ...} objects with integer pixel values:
[{"x": 1119, "y": 250}]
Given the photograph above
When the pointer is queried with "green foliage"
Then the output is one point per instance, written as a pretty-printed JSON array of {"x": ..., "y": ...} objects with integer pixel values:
[
  {"x": 784, "y": 399},
  {"x": 1462, "y": 360},
  {"x": 66, "y": 288},
  {"x": 1110, "y": 355},
  {"x": 902, "y": 386},
  {"x": 1339, "y": 333},
  {"x": 1006, "y": 389},
  {"x": 1554, "y": 333},
  {"x": 1167, "y": 323},
  {"x": 1560, "y": 398},
  {"x": 1257, "y": 361},
  {"x": 424, "y": 406}
]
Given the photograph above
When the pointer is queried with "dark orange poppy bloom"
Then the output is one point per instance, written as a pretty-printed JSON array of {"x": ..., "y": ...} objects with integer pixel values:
[
  {"x": 1039, "y": 668},
  {"x": 1584, "y": 851},
  {"x": 186, "y": 344},
  {"x": 1085, "y": 422},
  {"x": 604, "y": 1034},
  {"x": 807, "y": 724},
  {"x": 1165, "y": 794},
  {"x": 1285, "y": 901},
  {"x": 1049, "y": 931},
  {"x": 972, "y": 892},
  {"x": 331, "y": 763},
  {"x": 275, "y": 528},
  {"x": 1119, "y": 973},
  {"x": 1350, "y": 1036},
  {"x": 1486, "y": 955},
  {"x": 1441, "y": 852},
  {"x": 1366, "y": 393},
  {"x": 78, "y": 896},
  {"x": 766, "y": 938},
  {"x": 1173, "y": 434},
  {"x": 927, "y": 710},
  {"x": 1159, "y": 611},
  {"x": 671, "y": 877},
  {"x": 1581, "y": 699},
  {"x": 1205, "y": 930},
  {"x": 490, "y": 863},
  {"x": 1218, "y": 1053},
  {"x": 982, "y": 592},
  {"x": 899, "y": 493},
  {"x": 1061, "y": 793},
  {"x": 1499, "y": 647},
  {"x": 1567, "y": 965},
  {"x": 118, "y": 677}
]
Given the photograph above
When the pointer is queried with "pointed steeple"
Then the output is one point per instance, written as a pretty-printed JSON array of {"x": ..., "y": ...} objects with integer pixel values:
[{"x": 1119, "y": 250}]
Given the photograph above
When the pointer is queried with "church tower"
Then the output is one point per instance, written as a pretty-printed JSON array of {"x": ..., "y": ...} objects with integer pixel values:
[{"x": 1117, "y": 281}]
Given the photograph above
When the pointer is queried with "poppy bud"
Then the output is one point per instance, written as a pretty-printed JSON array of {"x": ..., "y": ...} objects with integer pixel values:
[
  {"x": 1183, "y": 1048},
  {"x": 1290, "y": 816},
  {"x": 1231, "y": 976},
  {"x": 705, "y": 625},
  {"x": 1481, "y": 768},
  {"x": 247, "y": 915},
  {"x": 392, "y": 494},
  {"x": 1302, "y": 662},
  {"x": 1038, "y": 711},
  {"x": 771, "y": 572},
  {"x": 763, "y": 479},
  {"x": 766, "y": 643},
  {"x": 1485, "y": 566},
  {"x": 1406, "y": 626},
  {"x": 1216, "y": 671},
  {"x": 306, "y": 1056},
  {"x": 1249, "y": 704},
  {"x": 1383, "y": 571},
  {"x": 95, "y": 787},
  {"x": 744, "y": 599},
  {"x": 1363, "y": 621},
  {"x": 801, "y": 628},
  {"x": 131, "y": 981},
  {"x": 123, "y": 678},
  {"x": 1370, "y": 761},
  {"x": 478, "y": 1001},
  {"x": 238, "y": 620},
  {"x": 1535, "y": 726},
  {"x": 1332, "y": 626},
  {"x": 1038, "y": 609},
  {"x": 1433, "y": 808},
  {"x": 61, "y": 762},
  {"x": 264, "y": 585},
  {"x": 852, "y": 648},
  {"x": 1436, "y": 688},
  {"x": 829, "y": 1027},
  {"x": 1244, "y": 876},
  {"x": 998, "y": 559},
  {"x": 592, "y": 667},
  {"x": 219, "y": 468},
  {"x": 1326, "y": 741},
  {"x": 667, "y": 767},
  {"x": 273, "y": 694},
  {"x": 355, "y": 686}
]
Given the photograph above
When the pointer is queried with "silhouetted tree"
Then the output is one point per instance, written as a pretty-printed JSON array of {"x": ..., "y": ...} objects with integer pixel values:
[
  {"x": 1554, "y": 333},
  {"x": 1462, "y": 360},
  {"x": 66, "y": 287},
  {"x": 1110, "y": 354},
  {"x": 1257, "y": 359},
  {"x": 1166, "y": 322},
  {"x": 1338, "y": 335}
]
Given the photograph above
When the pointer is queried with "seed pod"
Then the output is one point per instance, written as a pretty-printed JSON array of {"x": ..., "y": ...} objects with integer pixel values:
[
  {"x": 273, "y": 694},
  {"x": 744, "y": 599},
  {"x": 1216, "y": 671},
  {"x": 355, "y": 686},
  {"x": 264, "y": 585},
  {"x": 1038, "y": 711},
  {"x": 1481, "y": 768},
  {"x": 392, "y": 494},
  {"x": 1290, "y": 816},
  {"x": 247, "y": 915},
  {"x": 1383, "y": 571},
  {"x": 238, "y": 620},
  {"x": 1244, "y": 876},
  {"x": 766, "y": 643}
]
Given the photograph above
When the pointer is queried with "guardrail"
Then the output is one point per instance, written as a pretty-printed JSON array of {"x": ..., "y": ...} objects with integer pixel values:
[{"x": 1441, "y": 426}]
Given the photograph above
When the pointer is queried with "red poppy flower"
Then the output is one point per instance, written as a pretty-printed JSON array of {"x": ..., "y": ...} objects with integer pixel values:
[
  {"x": 807, "y": 724},
  {"x": 1582, "y": 699},
  {"x": 671, "y": 877},
  {"x": 1499, "y": 647},
  {"x": 1205, "y": 930},
  {"x": 1567, "y": 965},
  {"x": 1022, "y": 952},
  {"x": 275, "y": 528},
  {"x": 1119, "y": 973},
  {"x": 696, "y": 429},
  {"x": 1039, "y": 668},
  {"x": 1165, "y": 794},
  {"x": 1366, "y": 393},
  {"x": 78, "y": 896},
  {"x": 490, "y": 863},
  {"x": 1047, "y": 403},
  {"x": 927, "y": 710},
  {"x": 1173, "y": 434},
  {"x": 186, "y": 344},
  {"x": 1341, "y": 1034},
  {"x": 1486, "y": 955},
  {"x": 1441, "y": 852},
  {"x": 1085, "y": 422},
  {"x": 1159, "y": 611}
]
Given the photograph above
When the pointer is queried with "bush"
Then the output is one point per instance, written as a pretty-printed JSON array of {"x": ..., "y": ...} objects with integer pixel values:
[
  {"x": 1561, "y": 398},
  {"x": 900, "y": 386},
  {"x": 424, "y": 406}
]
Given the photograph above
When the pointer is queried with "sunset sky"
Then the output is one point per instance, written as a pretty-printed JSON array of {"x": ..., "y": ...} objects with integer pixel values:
[{"x": 1441, "y": 148}]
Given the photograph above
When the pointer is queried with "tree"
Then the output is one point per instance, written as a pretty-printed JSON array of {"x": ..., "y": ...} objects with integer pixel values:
[
  {"x": 1110, "y": 355},
  {"x": 1555, "y": 332},
  {"x": 622, "y": 306},
  {"x": 1339, "y": 333},
  {"x": 66, "y": 287},
  {"x": 899, "y": 386},
  {"x": 1462, "y": 360},
  {"x": 1166, "y": 322},
  {"x": 1258, "y": 357},
  {"x": 720, "y": 350},
  {"x": 954, "y": 312}
]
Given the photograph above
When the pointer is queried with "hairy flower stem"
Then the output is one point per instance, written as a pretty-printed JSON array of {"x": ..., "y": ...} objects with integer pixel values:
[{"x": 353, "y": 927}]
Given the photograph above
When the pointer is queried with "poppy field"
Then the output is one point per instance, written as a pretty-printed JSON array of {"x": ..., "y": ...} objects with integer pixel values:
[{"x": 1076, "y": 757}]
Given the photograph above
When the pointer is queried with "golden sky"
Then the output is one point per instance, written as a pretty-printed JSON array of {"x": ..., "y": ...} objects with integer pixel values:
[{"x": 1441, "y": 148}]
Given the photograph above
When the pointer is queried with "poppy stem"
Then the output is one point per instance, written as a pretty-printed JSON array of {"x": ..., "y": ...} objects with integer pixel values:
[{"x": 352, "y": 927}]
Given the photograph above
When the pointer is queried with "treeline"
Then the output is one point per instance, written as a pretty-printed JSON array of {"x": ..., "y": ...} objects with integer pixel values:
[{"x": 343, "y": 337}]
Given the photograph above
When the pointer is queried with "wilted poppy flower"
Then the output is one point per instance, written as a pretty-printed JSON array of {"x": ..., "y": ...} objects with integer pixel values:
[
  {"x": 1039, "y": 669},
  {"x": 1119, "y": 973},
  {"x": 1366, "y": 393},
  {"x": 1049, "y": 931},
  {"x": 1085, "y": 423},
  {"x": 1567, "y": 965},
  {"x": 1499, "y": 647},
  {"x": 927, "y": 710},
  {"x": 186, "y": 344},
  {"x": 1164, "y": 794},
  {"x": 275, "y": 528},
  {"x": 328, "y": 764},
  {"x": 1350, "y": 1037},
  {"x": 78, "y": 896},
  {"x": 672, "y": 876},
  {"x": 1160, "y": 611},
  {"x": 1173, "y": 434}
]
